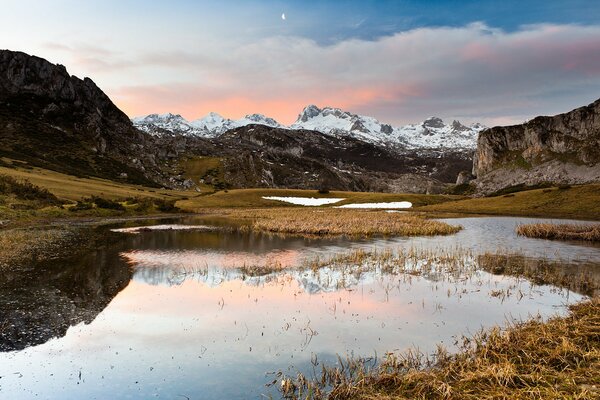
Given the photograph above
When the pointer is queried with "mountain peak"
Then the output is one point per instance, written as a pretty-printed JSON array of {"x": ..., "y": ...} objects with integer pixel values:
[
  {"x": 433, "y": 122},
  {"x": 308, "y": 112}
]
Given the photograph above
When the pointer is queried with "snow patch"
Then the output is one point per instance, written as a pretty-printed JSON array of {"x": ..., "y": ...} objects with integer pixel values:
[
  {"x": 170, "y": 227},
  {"x": 395, "y": 204},
  {"x": 303, "y": 201}
]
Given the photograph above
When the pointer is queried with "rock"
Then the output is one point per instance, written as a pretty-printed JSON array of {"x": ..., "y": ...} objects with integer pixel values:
[
  {"x": 563, "y": 149},
  {"x": 65, "y": 123},
  {"x": 464, "y": 177}
]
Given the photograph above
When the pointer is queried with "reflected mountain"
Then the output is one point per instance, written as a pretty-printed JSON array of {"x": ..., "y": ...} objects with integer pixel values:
[
  {"x": 41, "y": 303},
  {"x": 213, "y": 269}
]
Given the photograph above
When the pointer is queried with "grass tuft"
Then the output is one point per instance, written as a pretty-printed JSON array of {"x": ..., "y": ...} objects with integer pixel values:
[
  {"x": 338, "y": 222},
  {"x": 585, "y": 232},
  {"x": 558, "y": 358}
]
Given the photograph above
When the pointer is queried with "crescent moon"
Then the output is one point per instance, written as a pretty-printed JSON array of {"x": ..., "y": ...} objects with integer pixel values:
[{"x": 283, "y": 16}]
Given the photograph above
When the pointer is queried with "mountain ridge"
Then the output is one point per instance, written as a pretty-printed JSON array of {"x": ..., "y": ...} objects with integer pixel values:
[{"x": 432, "y": 133}]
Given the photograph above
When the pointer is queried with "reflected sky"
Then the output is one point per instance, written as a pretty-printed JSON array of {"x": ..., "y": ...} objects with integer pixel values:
[{"x": 190, "y": 323}]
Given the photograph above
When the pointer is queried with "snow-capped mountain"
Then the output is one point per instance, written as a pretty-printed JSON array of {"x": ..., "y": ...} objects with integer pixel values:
[
  {"x": 432, "y": 133},
  {"x": 212, "y": 125}
]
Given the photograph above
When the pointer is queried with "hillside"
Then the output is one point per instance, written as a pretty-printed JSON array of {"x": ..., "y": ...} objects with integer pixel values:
[
  {"x": 562, "y": 149},
  {"x": 53, "y": 120}
]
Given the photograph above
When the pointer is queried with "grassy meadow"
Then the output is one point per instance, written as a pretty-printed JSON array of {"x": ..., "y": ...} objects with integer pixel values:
[{"x": 577, "y": 202}]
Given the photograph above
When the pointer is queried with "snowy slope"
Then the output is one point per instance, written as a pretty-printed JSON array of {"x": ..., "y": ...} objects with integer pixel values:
[
  {"x": 209, "y": 126},
  {"x": 432, "y": 133}
]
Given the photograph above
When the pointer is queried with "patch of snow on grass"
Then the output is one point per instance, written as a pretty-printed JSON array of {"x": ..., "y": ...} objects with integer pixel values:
[
  {"x": 303, "y": 201},
  {"x": 395, "y": 204}
]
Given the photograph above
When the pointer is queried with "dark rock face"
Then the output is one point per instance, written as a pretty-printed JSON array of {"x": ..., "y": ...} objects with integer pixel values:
[
  {"x": 262, "y": 156},
  {"x": 61, "y": 122},
  {"x": 562, "y": 149}
]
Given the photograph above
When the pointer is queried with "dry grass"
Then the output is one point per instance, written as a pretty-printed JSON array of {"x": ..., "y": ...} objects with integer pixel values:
[
  {"x": 580, "y": 202},
  {"x": 69, "y": 187},
  {"x": 253, "y": 198},
  {"x": 336, "y": 222},
  {"x": 561, "y": 231},
  {"x": 556, "y": 359},
  {"x": 20, "y": 246}
]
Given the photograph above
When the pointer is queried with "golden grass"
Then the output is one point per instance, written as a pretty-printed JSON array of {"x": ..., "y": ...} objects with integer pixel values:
[
  {"x": 580, "y": 202},
  {"x": 69, "y": 187},
  {"x": 336, "y": 222},
  {"x": 196, "y": 167},
  {"x": 556, "y": 359},
  {"x": 585, "y": 232},
  {"x": 34, "y": 245},
  {"x": 254, "y": 198}
]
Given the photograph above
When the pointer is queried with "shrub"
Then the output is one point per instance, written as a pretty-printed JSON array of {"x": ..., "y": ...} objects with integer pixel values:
[
  {"x": 82, "y": 205},
  {"x": 462, "y": 189},
  {"x": 25, "y": 190},
  {"x": 166, "y": 206},
  {"x": 107, "y": 204},
  {"x": 144, "y": 204}
]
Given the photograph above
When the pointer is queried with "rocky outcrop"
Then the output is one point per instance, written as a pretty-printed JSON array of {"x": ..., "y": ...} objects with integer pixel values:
[
  {"x": 563, "y": 149},
  {"x": 262, "y": 156},
  {"x": 54, "y": 120}
]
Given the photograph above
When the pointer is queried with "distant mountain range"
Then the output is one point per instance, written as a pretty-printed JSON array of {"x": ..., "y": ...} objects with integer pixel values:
[
  {"x": 53, "y": 120},
  {"x": 432, "y": 133}
]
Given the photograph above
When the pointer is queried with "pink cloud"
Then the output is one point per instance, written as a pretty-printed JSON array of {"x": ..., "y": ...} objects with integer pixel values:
[{"x": 471, "y": 72}]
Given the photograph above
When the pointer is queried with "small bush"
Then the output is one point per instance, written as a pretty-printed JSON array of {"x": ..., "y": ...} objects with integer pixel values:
[
  {"x": 166, "y": 206},
  {"x": 25, "y": 190},
  {"x": 463, "y": 189},
  {"x": 144, "y": 204},
  {"x": 107, "y": 204},
  {"x": 82, "y": 205}
]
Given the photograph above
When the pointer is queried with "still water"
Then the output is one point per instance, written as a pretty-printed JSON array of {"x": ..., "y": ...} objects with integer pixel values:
[{"x": 212, "y": 314}]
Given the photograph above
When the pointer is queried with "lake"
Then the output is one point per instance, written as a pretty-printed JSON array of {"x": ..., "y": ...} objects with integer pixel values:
[{"x": 211, "y": 313}]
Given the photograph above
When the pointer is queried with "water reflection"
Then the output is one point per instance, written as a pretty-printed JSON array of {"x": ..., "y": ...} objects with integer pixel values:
[
  {"x": 41, "y": 303},
  {"x": 198, "y": 320}
]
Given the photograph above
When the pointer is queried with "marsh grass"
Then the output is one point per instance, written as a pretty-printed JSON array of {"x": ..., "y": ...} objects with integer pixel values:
[
  {"x": 581, "y": 278},
  {"x": 587, "y": 232},
  {"x": 558, "y": 358},
  {"x": 24, "y": 246},
  {"x": 337, "y": 222}
]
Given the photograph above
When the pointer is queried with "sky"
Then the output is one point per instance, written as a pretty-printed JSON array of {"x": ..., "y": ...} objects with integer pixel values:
[{"x": 399, "y": 61}]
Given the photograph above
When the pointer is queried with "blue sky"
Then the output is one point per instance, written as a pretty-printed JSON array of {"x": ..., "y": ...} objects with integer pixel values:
[{"x": 400, "y": 61}]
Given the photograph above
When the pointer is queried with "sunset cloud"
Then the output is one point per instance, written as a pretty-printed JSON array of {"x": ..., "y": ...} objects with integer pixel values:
[
  {"x": 473, "y": 72},
  {"x": 398, "y": 64}
]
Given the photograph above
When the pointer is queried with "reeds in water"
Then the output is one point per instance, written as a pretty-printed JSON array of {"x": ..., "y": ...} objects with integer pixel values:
[
  {"x": 559, "y": 358},
  {"x": 588, "y": 232},
  {"x": 337, "y": 222}
]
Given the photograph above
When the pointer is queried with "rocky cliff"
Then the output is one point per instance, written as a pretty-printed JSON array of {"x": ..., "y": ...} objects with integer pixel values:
[
  {"x": 563, "y": 149},
  {"x": 263, "y": 156},
  {"x": 54, "y": 120}
]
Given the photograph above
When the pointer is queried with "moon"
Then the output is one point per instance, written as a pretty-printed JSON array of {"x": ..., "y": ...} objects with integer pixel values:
[{"x": 283, "y": 16}]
